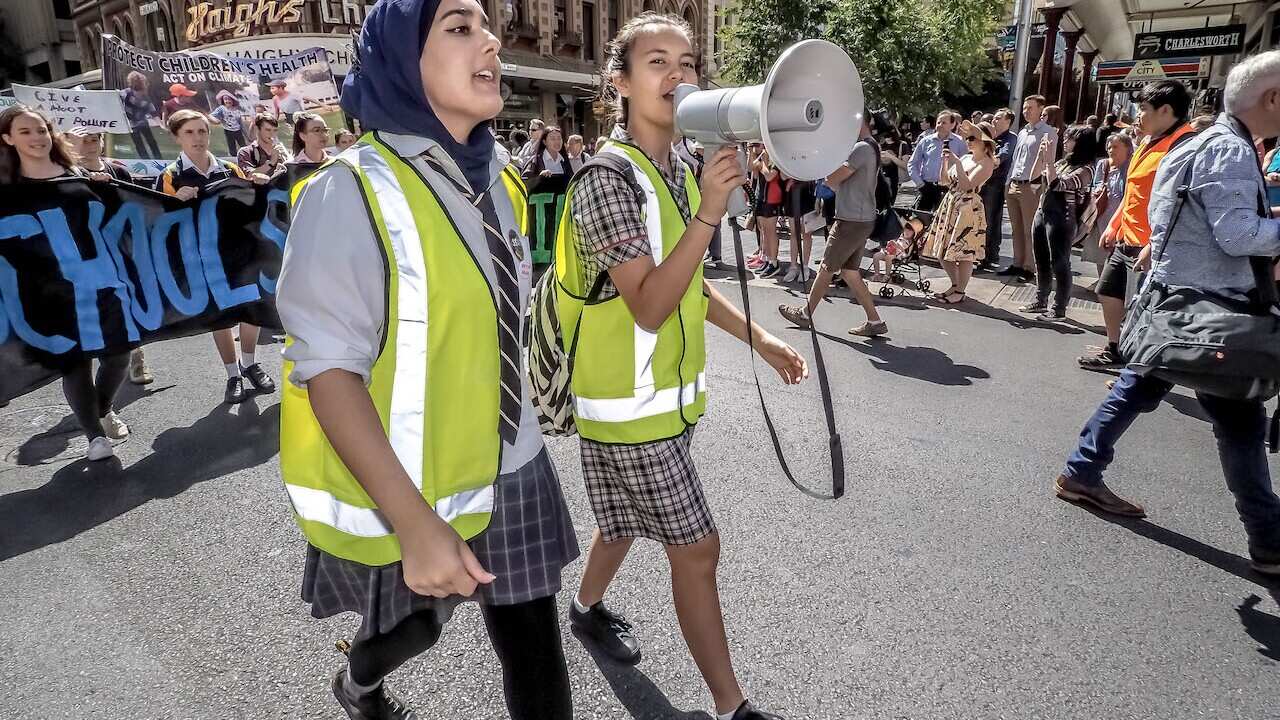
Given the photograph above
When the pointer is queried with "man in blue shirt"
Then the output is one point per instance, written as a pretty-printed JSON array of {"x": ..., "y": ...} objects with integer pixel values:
[
  {"x": 1026, "y": 186},
  {"x": 1222, "y": 223},
  {"x": 925, "y": 166},
  {"x": 993, "y": 191}
]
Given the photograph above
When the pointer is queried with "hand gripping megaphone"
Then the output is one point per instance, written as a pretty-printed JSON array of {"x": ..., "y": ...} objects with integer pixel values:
[{"x": 808, "y": 114}]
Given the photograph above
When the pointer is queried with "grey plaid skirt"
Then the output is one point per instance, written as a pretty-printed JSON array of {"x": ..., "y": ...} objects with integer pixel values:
[
  {"x": 650, "y": 490},
  {"x": 529, "y": 540}
]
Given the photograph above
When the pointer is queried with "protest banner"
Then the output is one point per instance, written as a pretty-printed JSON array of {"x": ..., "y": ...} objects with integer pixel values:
[
  {"x": 546, "y": 204},
  {"x": 98, "y": 110},
  {"x": 97, "y": 268},
  {"x": 7, "y": 101},
  {"x": 154, "y": 85}
]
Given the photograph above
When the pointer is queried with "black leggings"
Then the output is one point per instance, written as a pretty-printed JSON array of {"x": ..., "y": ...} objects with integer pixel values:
[
  {"x": 526, "y": 638},
  {"x": 145, "y": 142},
  {"x": 91, "y": 399},
  {"x": 1051, "y": 236}
]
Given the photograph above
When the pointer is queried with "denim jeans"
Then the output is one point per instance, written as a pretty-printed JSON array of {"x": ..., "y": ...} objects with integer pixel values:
[{"x": 1240, "y": 427}]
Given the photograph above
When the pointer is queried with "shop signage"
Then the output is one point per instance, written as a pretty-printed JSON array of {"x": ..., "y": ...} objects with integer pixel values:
[
  {"x": 146, "y": 9},
  {"x": 1219, "y": 40},
  {"x": 251, "y": 17},
  {"x": 1143, "y": 71},
  {"x": 1007, "y": 36}
]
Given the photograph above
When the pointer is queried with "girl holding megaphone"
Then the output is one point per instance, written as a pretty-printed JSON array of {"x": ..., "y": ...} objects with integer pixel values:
[{"x": 630, "y": 266}]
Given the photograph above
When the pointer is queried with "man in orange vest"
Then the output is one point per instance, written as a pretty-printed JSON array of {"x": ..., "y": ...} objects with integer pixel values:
[{"x": 1164, "y": 107}]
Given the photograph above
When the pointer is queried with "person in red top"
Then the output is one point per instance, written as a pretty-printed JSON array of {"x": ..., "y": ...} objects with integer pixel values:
[{"x": 1164, "y": 107}]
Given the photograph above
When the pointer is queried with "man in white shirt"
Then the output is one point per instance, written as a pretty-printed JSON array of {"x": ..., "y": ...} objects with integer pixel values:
[{"x": 1026, "y": 186}]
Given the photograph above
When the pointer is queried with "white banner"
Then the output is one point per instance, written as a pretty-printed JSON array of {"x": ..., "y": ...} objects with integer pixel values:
[{"x": 99, "y": 110}]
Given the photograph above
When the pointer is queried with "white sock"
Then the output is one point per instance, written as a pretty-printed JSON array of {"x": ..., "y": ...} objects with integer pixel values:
[
  {"x": 355, "y": 689},
  {"x": 577, "y": 605},
  {"x": 246, "y": 358},
  {"x": 233, "y": 369},
  {"x": 729, "y": 715}
]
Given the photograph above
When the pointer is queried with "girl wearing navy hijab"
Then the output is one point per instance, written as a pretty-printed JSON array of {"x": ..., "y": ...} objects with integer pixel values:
[{"x": 409, "y": 446}]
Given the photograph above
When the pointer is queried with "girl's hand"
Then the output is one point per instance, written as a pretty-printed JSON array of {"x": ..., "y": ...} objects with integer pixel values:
[
  {"x": 720, "y": 177},
  {"x": 186, "y": 193},
  {"x": 99, "y": 177},
  {"x": 438, "y": 563},
  {"x": 790, "y": 365},
  {"x": 259, "y": 179},
  {"x": 545, "y": 173}
]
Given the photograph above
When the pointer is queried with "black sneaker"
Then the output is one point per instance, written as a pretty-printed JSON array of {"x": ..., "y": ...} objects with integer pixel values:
[
  {"x": 381, "y": 704},
  {"x": 259, "y": 378},
  {"x": 1107, "y": 357},
  {"x": 1034, "y": 308},
  {"x": 235, "y": 391},
  {"x": 747, "y": 712},
  {"x": 1010, "y": 271},
  {"x": 610, "y": 632},
  {"x": 1052, "y": 315}
]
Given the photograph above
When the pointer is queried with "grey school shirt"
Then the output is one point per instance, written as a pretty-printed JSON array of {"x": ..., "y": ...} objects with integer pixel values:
[
  {"x": 856, "y": 196},
  {"x": 332, "y": 290}
]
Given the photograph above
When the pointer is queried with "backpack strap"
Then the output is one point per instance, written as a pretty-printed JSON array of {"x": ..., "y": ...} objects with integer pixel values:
[{"x": 614, "y": 163}]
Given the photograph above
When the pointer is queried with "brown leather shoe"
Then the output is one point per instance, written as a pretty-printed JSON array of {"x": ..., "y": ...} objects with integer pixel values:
[{"x": 1099, "y": 496}]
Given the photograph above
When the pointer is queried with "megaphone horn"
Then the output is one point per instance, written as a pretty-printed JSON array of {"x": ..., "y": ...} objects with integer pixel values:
[{"x": 807, "y": 113}]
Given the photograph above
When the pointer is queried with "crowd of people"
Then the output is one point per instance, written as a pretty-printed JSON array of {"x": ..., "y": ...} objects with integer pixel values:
[{"x": 409, "y": 508}]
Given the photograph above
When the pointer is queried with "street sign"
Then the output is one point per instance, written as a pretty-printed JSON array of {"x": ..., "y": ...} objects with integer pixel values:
[
  {"x": 146, "y": 9},
  {"x": 1007, "y": 36},
  {"x": 1219, "y": 40},
  {"x": 1143, "y": 71}
]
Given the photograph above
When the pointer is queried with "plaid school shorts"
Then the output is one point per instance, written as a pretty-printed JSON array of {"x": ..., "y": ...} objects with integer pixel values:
[{"x": 650, "y": 491}]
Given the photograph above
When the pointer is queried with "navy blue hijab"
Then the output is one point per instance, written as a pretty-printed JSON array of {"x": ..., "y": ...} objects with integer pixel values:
[{"x": 384, "y": 87}]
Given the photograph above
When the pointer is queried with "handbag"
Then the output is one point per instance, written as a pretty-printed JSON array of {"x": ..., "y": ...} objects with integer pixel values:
[{"x": 1204, "y": 341}]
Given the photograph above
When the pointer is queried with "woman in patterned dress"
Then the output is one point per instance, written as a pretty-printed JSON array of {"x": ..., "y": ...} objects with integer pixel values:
[{"x": 957, "y": 237}]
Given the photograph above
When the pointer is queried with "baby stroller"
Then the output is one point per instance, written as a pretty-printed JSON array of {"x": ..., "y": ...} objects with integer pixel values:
[{"x": 904, "y": 231}]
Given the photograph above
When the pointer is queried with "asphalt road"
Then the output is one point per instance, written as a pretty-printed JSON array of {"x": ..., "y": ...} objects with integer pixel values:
[{"x": 949, "y": 583}]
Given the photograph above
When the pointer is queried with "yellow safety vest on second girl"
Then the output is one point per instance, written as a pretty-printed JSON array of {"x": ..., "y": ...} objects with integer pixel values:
[
  {"x": 435, "y": 382},
  {"x": 632, "y": 386}
]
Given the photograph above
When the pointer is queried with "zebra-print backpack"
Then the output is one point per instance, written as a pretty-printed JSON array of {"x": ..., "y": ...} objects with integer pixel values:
[{"x": 550, "y": 364}]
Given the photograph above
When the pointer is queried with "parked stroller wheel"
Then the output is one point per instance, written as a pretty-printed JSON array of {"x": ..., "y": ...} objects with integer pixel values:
[
  {"x": 897, "y": 277},
  {"x": 886, "y": 292},
  {"x": 924, "y": 286}
]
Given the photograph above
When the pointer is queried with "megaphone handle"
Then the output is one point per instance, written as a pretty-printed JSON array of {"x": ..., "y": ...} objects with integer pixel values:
[{"x": 738, "y": 201}]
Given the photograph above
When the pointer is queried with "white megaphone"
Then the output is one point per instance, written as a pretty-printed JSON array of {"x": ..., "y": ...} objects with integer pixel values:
[{"x": 808, "y": 114}]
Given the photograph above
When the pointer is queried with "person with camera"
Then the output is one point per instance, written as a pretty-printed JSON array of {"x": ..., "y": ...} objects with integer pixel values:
[{"x": 1208, "y": 217}]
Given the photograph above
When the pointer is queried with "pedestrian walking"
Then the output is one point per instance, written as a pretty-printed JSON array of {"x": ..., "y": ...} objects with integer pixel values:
[
  {"x": 31, "y": 150},
  {"x": 768, "y": 207},
  {"x": 1163, "y": 110},
  {"x": 993, "y": 192},
  {"x": 1025, "y": 186},
  {"x": 957, "y": 237},
  {"x": 186, "y": 179},
  {"x": 925, "y": 165},
  {"x": 1219, "y": 225},
  {"x": 1067, "y": 184},
  {"x": 855, "y": 187},
  {"x": 636, "y": 412},
  {"x": 409, "y": 445},
  {"x": 88, "y": 146},
  {"x": 1108, "y": 190}
]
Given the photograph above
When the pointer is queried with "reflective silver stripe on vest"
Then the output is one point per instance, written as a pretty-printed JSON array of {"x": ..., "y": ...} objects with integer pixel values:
[
  {"x": 322, "y": 507},
  {"x": 645, "y": 400}
]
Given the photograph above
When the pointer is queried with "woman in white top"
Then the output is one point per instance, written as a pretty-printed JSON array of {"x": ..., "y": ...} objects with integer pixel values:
[
  {"x": 549, "y": 167},
  {"x": 310, "y": 139}
]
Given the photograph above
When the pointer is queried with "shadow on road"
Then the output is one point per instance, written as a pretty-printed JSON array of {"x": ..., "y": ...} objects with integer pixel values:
[
  {"x": 642, "y": 699},
  {"x": 1263, "y": 627},
  {"x": 39, "y": 449},
  {"x": 1021, "y": 322},
  {"x": 920, "y": 363},
  {"x": 83, "y": 495}
]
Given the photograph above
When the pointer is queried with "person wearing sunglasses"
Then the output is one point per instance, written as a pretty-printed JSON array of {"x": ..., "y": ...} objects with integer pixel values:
[
  {"x": 958, "y": 235},
  {"x": 310, "y": 139}
]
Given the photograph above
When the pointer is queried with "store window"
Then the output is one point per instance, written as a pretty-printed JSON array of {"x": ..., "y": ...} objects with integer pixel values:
[
  {"x": 613, "y": 18},
  {"x": 562, "y": 18}
]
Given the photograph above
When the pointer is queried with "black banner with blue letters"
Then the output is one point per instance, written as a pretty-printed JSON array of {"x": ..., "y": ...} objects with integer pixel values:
[{"x": 92, "y": 268}]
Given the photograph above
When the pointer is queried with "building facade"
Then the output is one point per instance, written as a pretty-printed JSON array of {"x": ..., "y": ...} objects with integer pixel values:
[
  {"x": 552, "y": 49},
  {"x": 42, "y": 35}
]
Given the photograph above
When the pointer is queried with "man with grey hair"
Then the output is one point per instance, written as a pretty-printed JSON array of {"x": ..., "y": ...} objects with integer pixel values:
[{"x": 1221, "y": 222}]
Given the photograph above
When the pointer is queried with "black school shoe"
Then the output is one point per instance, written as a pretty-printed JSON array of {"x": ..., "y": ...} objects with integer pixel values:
[
  {"x": 610, "y": 632},
  {"x": 235, "y": 393},
  {"x": 381, "y": 704},
  {"x": 747, "y": 712},
  {"x": 259, "y": 378}
]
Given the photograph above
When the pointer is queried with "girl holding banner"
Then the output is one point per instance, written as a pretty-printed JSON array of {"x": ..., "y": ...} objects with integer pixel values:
[
  {"x": 32, "y": 151},
  {"x": 409, "y": 445},
  {"x": 186, "y": 178}
]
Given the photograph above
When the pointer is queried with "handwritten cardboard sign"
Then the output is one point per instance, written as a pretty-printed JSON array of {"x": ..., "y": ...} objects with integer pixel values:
[{"x": 98, "y": 110}]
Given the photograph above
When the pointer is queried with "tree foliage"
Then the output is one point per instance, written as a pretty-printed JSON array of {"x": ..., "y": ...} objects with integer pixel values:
[{"x": 908, "y": 52}]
